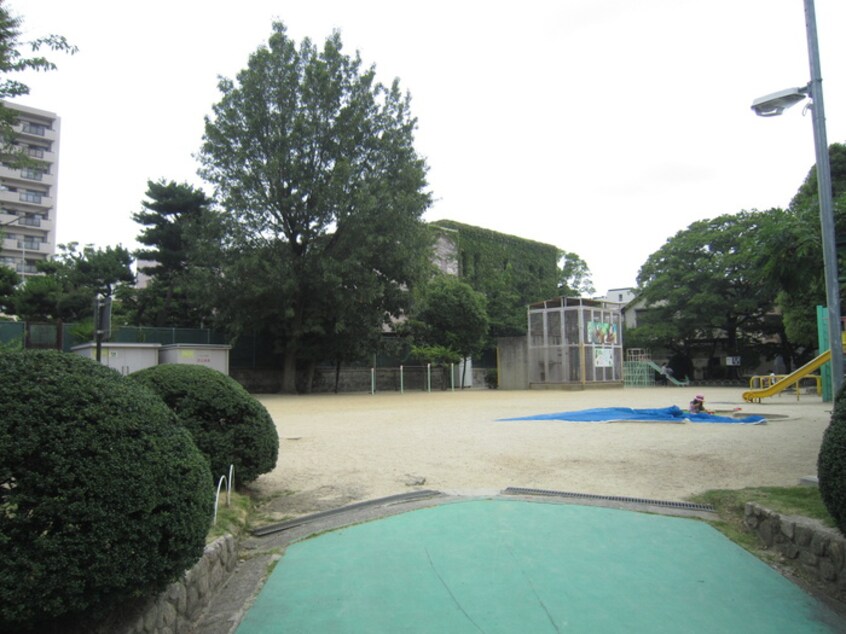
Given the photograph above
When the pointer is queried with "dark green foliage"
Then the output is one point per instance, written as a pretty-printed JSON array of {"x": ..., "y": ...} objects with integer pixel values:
[
  {"x": 831, "y": 464},
  {"x": 228, "y": 425},
  {"x": 794, "y": 254},
  {"x": 103, "y": 496},
  {"x": 176, "y": 218},
  {"x": 705, "y": 287},
  {"x": 313, "y": 161},
  {"x": 71, "y": 281}
]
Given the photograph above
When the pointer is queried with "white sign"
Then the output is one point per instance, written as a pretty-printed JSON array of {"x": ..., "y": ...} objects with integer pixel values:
[
  {"x": 733, "y": 361},
  {"x": 603, "y": 357}
]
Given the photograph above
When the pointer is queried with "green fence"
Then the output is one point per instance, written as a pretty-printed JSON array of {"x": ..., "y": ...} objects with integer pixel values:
[{"x": 12, "y": 333}]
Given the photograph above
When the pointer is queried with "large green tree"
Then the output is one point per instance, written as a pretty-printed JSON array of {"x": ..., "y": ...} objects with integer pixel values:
[
  {"x": 794, "y": 252},
  {"x": 175, "y": 217},
  {"x": 314, "y": 164},
  {"x": 71, "y": 281},
  {"x": 12, "y": 61},
  {"x": 451, "y": 316},
  {"x": 705, "y": 288}
]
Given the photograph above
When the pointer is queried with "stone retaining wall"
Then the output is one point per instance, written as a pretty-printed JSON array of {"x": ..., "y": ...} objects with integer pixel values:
[
  {"x": 818, "y": 551},
  {"x": 176, "y": 609}
]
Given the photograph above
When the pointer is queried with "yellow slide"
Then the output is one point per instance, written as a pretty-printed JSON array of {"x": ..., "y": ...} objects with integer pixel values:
[{"x": 790, "y": 380}]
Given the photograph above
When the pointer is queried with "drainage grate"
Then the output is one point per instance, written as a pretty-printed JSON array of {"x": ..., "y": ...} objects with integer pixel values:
[
  {"x": 688, "y": 506},
  {"x": 262, "y": 531}
]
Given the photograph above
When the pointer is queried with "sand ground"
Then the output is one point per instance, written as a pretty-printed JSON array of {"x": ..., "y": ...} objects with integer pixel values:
[{"x": 339, "y": 449}]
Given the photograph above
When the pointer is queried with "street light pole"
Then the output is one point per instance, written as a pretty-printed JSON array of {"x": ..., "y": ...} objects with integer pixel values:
[{"x": 832, "y": 285}]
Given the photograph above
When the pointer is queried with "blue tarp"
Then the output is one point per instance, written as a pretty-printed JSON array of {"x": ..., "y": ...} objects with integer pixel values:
[{"x": 672, "y": 414}]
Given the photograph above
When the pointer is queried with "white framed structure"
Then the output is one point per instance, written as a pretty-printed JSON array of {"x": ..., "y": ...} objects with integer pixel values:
[
  {"x": 575, "y": 343},
  {"x": 28, "y": 194}
]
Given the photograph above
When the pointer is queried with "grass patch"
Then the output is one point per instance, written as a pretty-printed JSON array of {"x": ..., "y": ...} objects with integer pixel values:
[
  {"x": 730, "y": 506},
  {"x": 799, "y": 500},
  {"x": 235, "y": 519}
]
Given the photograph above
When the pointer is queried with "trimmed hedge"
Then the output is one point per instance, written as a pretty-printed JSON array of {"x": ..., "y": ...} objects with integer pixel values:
[
  {"x": 831, "y": 463},
  {"x": 228, "y": 424},
  {"x": 103, "y": 496}
]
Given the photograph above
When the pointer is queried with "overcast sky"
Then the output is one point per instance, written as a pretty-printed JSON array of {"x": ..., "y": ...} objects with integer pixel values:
[{"x": 600, "y": 126}]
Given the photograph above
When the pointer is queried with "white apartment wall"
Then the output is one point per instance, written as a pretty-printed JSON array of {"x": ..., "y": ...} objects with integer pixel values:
[{"x": 28, "y": 195}]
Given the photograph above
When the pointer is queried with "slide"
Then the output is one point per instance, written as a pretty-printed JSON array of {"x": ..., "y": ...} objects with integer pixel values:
[
  {"x": 753, "y": 396},
  {"x": 672, "y": 379}
]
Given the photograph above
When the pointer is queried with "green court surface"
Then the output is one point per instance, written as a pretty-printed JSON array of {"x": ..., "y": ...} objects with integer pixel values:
[{"x": 516, "y": 566}]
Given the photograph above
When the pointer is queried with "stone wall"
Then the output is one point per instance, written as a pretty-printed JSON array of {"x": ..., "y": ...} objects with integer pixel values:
[
  {"x": 176, "y": 609},
  {"x": 818, "y": 551}
]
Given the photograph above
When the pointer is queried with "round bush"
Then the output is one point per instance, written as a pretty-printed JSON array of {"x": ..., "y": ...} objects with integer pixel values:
[
  {"x": 227, "y": 423},
  {"x": 103, "y": 496},
  {"x": 831, "y": 463}
]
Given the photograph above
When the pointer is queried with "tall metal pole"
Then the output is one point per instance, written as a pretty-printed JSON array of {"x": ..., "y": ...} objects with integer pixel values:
[{"x": 832, "y": 287}]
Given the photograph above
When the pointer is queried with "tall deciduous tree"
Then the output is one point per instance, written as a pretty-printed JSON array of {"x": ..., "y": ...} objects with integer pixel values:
[
  {"x": 794, "y": 252},
  {"x": 314, "y": 163},
  {"x": 705, "y": 286}
]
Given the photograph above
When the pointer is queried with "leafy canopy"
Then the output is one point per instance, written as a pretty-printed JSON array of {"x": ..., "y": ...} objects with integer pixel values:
[
  {"x": 314, "y": 165},
  {"x": 451, "y": 315},
  {"x": 71, "y": 282},
  {"x": 706, "y": 284}
]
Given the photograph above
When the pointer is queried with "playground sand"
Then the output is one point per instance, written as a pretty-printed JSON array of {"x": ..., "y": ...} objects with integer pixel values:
[{"x": 340, "y": 449}]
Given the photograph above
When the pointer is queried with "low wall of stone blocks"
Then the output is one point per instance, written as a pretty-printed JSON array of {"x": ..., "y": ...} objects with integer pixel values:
[
  {"x": 817, "y": 550},
  {"x": 176, "y": 609}
]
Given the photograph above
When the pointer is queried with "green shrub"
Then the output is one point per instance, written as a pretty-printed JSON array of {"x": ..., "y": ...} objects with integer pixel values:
[
  {"x": 227, "y": 423},
  {"x": 831, "y": 463},
  {"x": 103, "y": 496}
]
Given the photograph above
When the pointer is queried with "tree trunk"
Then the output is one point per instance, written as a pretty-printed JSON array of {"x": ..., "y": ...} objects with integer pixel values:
[
  {"x": 289, "y": 370},
  {"x": 337, "y": 375}
]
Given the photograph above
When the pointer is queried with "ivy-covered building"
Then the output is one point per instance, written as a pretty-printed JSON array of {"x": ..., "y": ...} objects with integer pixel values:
[{"x": 512, "y": 272}]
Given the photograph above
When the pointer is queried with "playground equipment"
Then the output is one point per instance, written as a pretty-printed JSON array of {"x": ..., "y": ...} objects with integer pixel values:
[
  {"x": 636, "y": 372},
  {"x": 789, "y": 381},
  {"x": 640, "y": 370}
]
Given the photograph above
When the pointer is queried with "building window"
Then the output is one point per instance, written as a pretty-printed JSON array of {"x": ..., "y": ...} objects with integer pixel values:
[
  {"x": 33, "y": 244},
  {"x": 31, "y": 197},
  {"x": 35, "y": 151},
  {"x": 30, "y": 221},
  {"x": 34, "y": 128},
  {"x": 32, "y": 174}
]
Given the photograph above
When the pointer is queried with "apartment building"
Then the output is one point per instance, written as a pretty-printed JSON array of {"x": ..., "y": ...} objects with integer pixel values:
[{"x": 28, "y": 194}]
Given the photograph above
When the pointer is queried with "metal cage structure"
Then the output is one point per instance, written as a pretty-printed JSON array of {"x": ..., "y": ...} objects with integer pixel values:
[{"x": 575, "y": 342}]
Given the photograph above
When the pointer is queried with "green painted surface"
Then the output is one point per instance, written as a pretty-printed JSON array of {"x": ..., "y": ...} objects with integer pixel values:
[{"x": 511, "y": 566}]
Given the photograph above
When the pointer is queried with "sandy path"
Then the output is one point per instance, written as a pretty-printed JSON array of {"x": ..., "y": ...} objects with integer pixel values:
[{"x": 338, "y": 449}]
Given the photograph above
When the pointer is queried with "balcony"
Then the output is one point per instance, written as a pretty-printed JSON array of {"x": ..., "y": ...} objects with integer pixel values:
[
  {"x": 35, "y": 131},
  {"x": 27, "y": 268},
  {"x": 26, "y": 245},
  {"x": 20, "y": 177},
  {"x": 14, "y": 199},
  {"x": 27, "y": 221}
]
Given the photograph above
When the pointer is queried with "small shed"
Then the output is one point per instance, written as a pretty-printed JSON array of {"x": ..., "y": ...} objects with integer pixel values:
[
  {"x": 212, "y": 356},
  {"x": 125, "y": 358},
  {"x": 575, "y": 343}
]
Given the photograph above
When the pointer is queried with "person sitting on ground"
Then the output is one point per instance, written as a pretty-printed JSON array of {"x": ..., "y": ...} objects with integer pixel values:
[{"x": 697, "y": 405}]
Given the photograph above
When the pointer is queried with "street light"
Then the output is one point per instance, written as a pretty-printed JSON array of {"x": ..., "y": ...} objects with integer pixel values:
[{"x": 773, "y": 105}]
